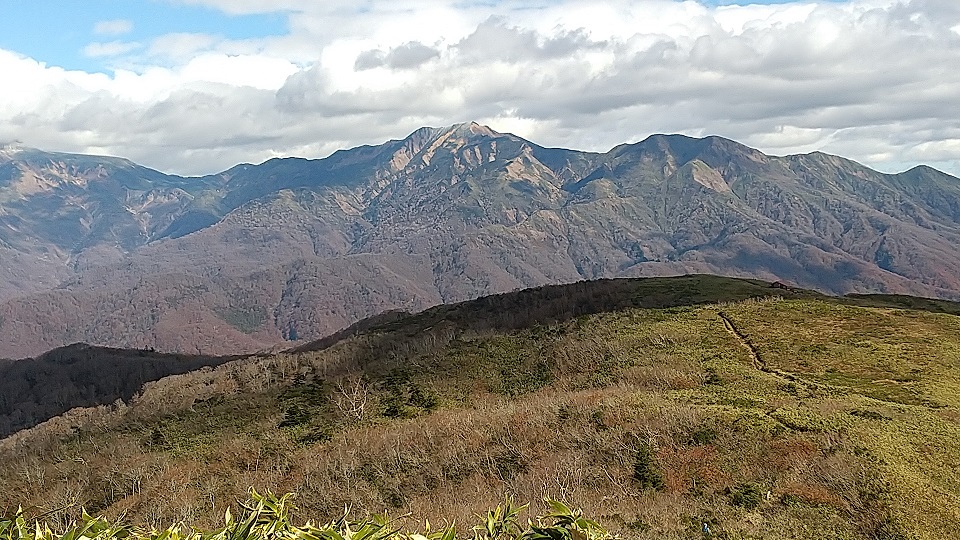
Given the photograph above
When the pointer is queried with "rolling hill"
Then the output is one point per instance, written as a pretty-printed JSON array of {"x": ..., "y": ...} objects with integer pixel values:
[{"x": 657, "y": 405}]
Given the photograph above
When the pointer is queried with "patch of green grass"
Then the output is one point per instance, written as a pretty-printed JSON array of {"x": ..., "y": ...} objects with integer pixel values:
[
  {"x": 802, "y": 419},
  {"x": 875, "y": 352}
]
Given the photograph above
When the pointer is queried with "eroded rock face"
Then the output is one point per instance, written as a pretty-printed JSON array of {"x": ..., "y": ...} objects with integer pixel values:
[{"x": 104, "y": 251}]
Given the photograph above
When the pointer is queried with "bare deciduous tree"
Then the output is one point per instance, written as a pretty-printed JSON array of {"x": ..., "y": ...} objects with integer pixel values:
[{"x": 352, "y": 397}]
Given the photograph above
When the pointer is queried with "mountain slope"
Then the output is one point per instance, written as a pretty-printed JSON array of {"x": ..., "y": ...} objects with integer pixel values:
[
  {"x": 296, "y": 249},
  {"x": 62, "y": 212},
  {"x": 789, "y": 412},
  {"x": 37, "y": 389}
]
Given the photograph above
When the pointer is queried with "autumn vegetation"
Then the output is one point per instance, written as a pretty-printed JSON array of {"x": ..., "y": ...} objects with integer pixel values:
[{"x": 818, "y": 417}]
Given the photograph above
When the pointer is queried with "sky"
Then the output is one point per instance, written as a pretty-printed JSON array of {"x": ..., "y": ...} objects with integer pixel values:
[{"x": 195, "y": 86}]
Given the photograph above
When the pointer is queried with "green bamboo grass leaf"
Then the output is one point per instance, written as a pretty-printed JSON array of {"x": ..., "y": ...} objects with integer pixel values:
[
  {"x": 309, "y": 532},
  {"x": 267, "y": 517},
  {"x": 450, "y": 533},
  {"x": 547, "y": 533},
  {"x": 559, "y": 508}
]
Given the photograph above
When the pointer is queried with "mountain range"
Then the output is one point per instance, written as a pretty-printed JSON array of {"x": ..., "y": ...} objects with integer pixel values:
[{"x": 104, "y": 251}]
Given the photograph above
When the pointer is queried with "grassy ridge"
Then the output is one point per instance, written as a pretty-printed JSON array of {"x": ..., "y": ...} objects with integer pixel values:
[{"x": 816, "y": 419}]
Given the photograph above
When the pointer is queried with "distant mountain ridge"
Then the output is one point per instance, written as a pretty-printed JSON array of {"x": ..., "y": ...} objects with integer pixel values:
[{"x": 104, "y": 251}]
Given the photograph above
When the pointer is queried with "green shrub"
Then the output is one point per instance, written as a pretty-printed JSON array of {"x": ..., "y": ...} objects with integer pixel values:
[
  {"x": 645, "y": 469},
  {"x": 294, "y": 415},
  {"x": 404, "y": 397},
  {"x": 747, "y": 495},
  {"x": 524, "y": 376},
  {"x": 712, "y": 377},
  {"x": 703, "y": 435},
  {"x": 868, "y": 414}
]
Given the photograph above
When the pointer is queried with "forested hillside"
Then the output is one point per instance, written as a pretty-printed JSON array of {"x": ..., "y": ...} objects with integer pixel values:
[{"x": 37, "y": 389}]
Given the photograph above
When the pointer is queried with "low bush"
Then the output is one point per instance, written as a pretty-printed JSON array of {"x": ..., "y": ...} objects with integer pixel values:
[{"x": 747, "y": 495}]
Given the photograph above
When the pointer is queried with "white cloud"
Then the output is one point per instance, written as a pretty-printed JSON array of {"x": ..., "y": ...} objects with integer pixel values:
[
  {"x": 874, "y": 80},
  {"x": 181, "y": 46},
  {"x": 114, "y": 27},
  {"x": 237, "y": 71},
  {"x": 110, "y": 48}
]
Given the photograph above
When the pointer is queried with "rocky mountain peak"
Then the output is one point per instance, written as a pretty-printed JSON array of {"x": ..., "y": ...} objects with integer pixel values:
[
  {"x": 463, "y": 133},
  {"x": 455, "y": 138},
  {"x": 427, "y": 140},
  {"x": 467, "y": 129},
  {"x": 10, "y": 151}
]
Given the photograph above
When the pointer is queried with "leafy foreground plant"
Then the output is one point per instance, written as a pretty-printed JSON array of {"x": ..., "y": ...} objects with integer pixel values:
[{"x": 267, "y": 517}]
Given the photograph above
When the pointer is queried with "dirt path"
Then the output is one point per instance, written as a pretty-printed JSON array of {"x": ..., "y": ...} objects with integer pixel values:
[
  {"x": 745, "y": 341},
  {"x": 760, "y": 364}
]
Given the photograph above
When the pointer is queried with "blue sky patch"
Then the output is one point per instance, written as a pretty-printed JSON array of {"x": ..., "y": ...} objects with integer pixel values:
[{"x": 57, "y": 32}]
